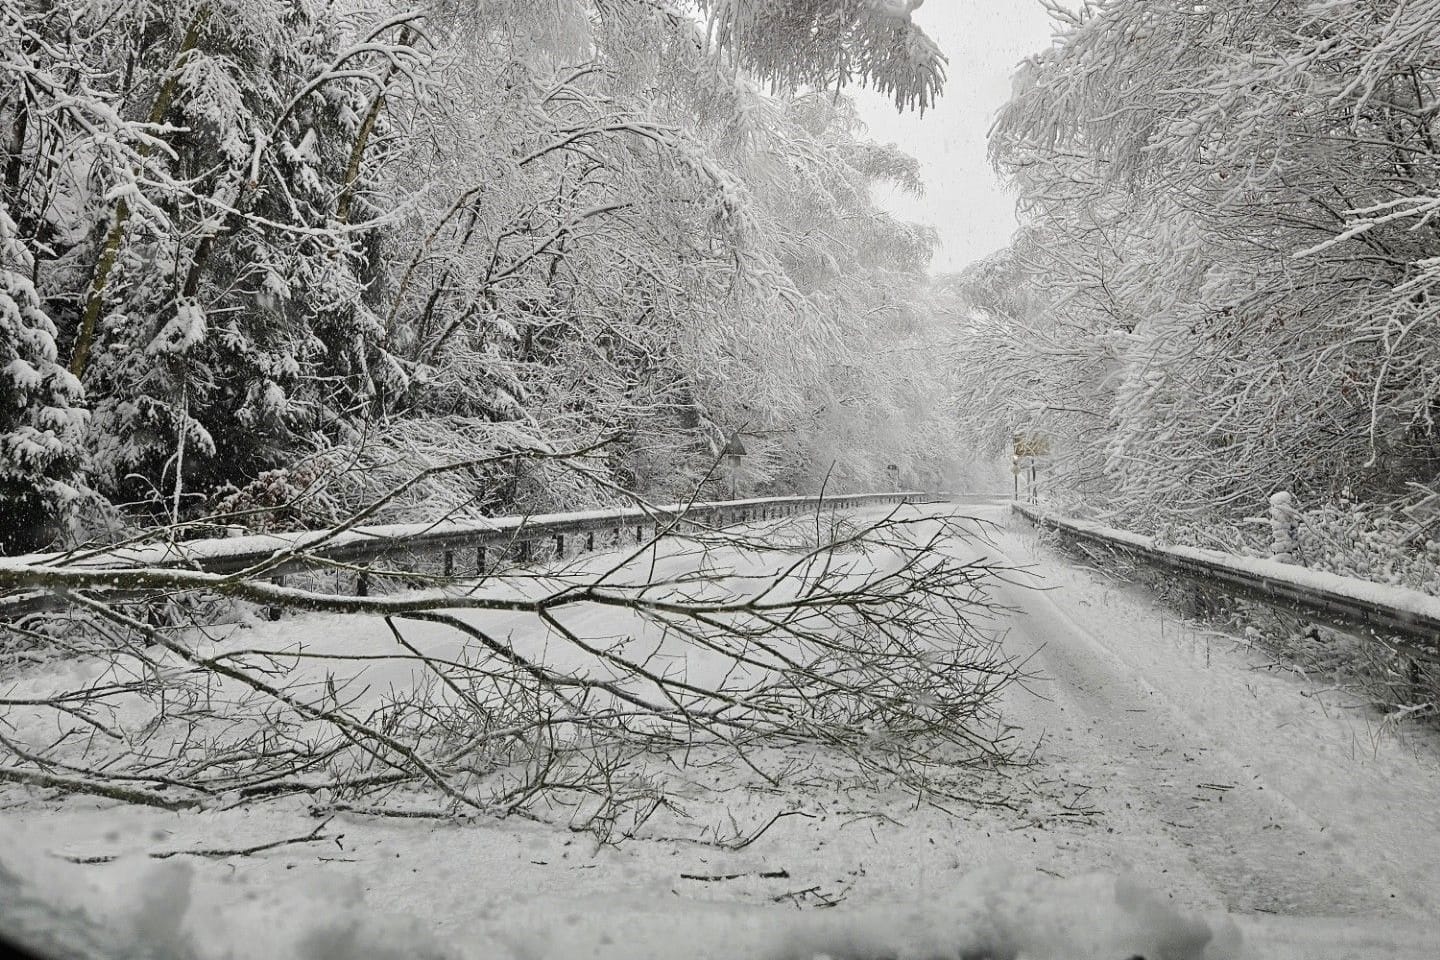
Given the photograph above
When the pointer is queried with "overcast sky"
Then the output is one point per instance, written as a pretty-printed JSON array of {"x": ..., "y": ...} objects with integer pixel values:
[{"x": 985, "y": 40}]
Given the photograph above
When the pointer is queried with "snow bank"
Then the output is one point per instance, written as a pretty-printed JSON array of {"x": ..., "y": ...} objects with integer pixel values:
[
  {"x": 157, "y": 910},
  {"x": 144, "y": 908}
]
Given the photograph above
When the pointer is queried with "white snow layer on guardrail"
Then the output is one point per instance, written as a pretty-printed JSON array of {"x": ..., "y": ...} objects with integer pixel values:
[
  {"x": 259, "y": 544},
  {"x": 1400, "y": 599}
]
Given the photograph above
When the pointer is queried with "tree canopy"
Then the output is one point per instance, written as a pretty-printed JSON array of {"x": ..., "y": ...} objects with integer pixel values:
[
  {"x": 254, "y": 247},
  {"x": 1230, "y": 244}
]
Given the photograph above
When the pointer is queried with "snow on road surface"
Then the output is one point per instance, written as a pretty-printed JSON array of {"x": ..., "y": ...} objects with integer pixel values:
[
  {"x": 1227, "y": 779},
  {"x": 1185, "y": 794}
]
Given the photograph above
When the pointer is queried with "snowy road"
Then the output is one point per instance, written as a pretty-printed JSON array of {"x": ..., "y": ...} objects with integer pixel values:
[
  {"x": 1213, "y": 780},
  {"x": 1228, "y": 778}
]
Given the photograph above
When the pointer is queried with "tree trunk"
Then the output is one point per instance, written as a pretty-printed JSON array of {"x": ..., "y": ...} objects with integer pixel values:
[
  {"x": 362, "y": 139},
  {"x": 110, "y": 250}
]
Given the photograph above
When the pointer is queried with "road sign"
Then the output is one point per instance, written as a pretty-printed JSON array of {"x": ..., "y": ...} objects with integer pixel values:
[{"x": 1031, "y": 445}]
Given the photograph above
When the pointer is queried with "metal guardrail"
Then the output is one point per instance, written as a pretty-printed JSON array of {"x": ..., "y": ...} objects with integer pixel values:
[
  {"x": 455, "y": 544},
  {"x": 1343, "y": 601}
]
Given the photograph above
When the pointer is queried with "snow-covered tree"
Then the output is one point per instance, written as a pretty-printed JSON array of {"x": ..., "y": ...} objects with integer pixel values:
[
  {"x": 41, "y": 422},
  {"x": 276, "y": 235},
  {"x": 1227, "y": 208},
  {"x": 832, "y": 43}
]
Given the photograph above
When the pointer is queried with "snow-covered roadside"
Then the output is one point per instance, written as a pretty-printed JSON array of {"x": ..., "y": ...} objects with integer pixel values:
[{"x": 1044, "y": 878}]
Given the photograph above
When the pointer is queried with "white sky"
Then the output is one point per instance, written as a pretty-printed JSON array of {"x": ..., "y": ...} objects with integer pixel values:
[{"x": 985, "y": 40}]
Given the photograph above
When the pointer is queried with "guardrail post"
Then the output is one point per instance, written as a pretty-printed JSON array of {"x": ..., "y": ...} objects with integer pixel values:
[
  {"x": 640, "y": 533},
  {"x": 480, "y": 561},
  {"x": 559, "y": 546},
  {"x": 274, "y": 611},
  {"x": 449, "y": 563},
  {"x": 524, "y": 551},
  {"x": 590, "y": 541},
  {"x": 362, "y": 584}
]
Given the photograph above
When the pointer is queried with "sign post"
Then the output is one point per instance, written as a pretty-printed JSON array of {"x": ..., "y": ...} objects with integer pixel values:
[
  {"x": 733, "y": 453},
  {"x": 1029, "y": 448}
]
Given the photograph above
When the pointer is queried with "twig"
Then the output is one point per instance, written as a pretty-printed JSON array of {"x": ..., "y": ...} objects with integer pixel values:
[
  {"x": 757, "y": 834},
  {"x": 314, "y": 836},
  {"x": 794, "y": 895},
  {"x": 713, "y": 877}
]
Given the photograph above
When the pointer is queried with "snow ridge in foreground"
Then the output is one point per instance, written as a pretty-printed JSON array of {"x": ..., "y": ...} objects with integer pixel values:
[{"x": 137, "y": 908}]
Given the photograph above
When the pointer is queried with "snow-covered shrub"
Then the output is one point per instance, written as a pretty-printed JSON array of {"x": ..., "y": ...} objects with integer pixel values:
[
  {"x": 426, "y": 468},
  {"x": 1284, "y": 525},
  {"x": 1370, "y": 542},
  {"x": 287, "y": 498}
]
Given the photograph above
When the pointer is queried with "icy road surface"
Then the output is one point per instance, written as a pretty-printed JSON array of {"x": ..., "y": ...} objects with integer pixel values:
[{"x": 1225, "y": 792}]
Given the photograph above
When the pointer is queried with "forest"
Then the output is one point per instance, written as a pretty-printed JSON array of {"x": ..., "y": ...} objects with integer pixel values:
[
  {"x": 1223, "y": 302},
  {"x": 265, "y": 260}
]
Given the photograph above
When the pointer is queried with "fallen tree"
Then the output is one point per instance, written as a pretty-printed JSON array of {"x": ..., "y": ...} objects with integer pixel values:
[{"x": 576, "y": 690}]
